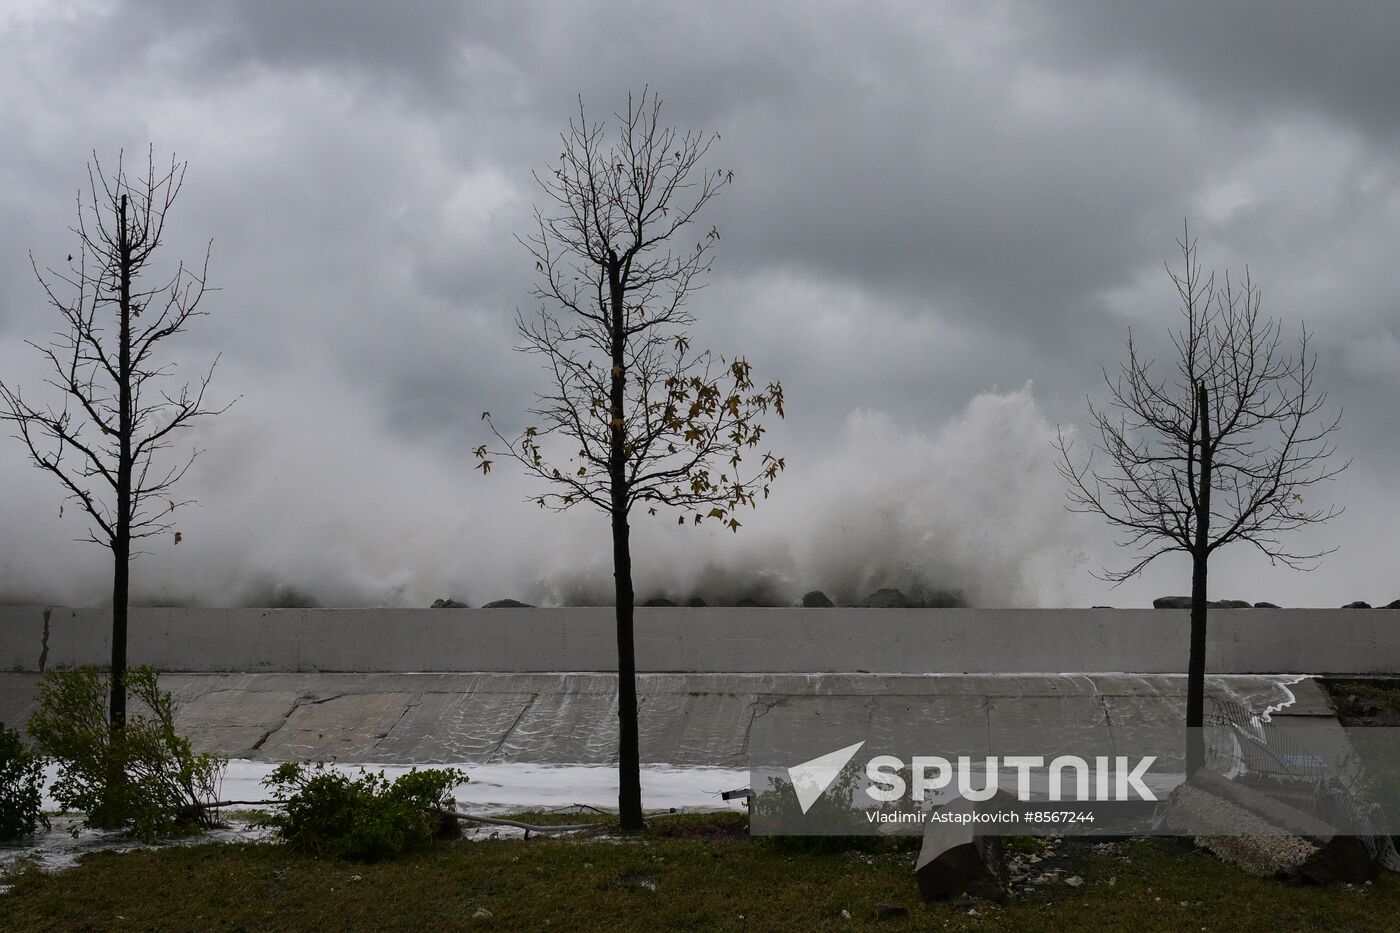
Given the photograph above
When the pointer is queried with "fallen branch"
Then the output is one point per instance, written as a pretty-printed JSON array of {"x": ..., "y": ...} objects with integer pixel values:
[{"x": 528, "y": 827}]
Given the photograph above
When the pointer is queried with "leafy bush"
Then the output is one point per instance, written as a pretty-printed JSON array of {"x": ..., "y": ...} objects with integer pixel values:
[
  {"x": 145, "y": 777},
  {"x": 786, "y": 828},
  {"x": 21, "y": 787},
  {"x": 328, "y": 812}
]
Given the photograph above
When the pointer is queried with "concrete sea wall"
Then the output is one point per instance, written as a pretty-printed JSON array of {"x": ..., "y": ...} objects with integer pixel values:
[
  {"x": 531, "y": 685},
  {"x": 716, "y": 640}
]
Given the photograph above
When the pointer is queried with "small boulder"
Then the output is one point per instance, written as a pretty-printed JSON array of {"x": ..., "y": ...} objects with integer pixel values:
[
  {"x": 695, "y": 602},
  {"x": 448, "y": 604},
  {"x": 659, "y": 601},
  {"x": 817, "y": 600},
  {"x": 1184, "y": 602},
  {"x": 1359, "y": 604},
  {"x": 507, "y": 604},
  {"x": 887, "y": 599}
]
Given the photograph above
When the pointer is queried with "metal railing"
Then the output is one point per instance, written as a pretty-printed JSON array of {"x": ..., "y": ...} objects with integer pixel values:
[{"x": 1244, "y": 746}]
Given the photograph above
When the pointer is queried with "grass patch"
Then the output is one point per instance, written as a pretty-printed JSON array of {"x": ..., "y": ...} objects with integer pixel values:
[
  {"x": 1025, "y": 845},
  {"x": 1385, "y": 689},
  {"x": 1374, "y": 701},
  {"x": 691, "y": 873}
]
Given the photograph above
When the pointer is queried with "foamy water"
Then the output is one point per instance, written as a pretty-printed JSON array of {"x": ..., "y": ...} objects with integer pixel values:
[{"x": 492, "y": 789}]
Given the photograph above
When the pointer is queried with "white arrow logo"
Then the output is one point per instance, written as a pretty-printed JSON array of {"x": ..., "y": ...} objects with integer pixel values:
[{"x": 811, "y": 778}]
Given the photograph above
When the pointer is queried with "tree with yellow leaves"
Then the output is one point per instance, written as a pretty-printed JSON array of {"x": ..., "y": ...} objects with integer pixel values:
[{"x": 633, "y": 416}]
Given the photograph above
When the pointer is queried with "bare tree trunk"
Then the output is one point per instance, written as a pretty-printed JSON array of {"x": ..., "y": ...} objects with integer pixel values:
[
  {"x": 629, "y": 795},
  {"x": 1200, "y": 562},
  {"x": 629, "y": 766},
  {"x": 121, "y": 545},
  {"x": 1196, "y": 669},
  {"x": 121, "y": 560}
]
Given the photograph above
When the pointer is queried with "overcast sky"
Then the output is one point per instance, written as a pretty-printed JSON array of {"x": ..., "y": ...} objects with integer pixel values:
[{"x": 945, "y": 218}]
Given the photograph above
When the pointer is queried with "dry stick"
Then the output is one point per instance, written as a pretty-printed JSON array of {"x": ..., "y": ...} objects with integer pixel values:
[
  {"x": 528, "y": 827},
  {"x": 575, "y": 827}
]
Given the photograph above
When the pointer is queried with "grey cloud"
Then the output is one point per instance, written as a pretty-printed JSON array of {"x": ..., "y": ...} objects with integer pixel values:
[
  {"x": 931, "y": 201},
  {"x": 1262, "y": 60}
]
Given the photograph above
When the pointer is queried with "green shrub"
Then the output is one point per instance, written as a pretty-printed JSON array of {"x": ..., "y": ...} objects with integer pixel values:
[
  {"x": 845, "y": 827},
  {"x": 21, "y": 787},
  {"x": 367, "y": 818},
  {"x": 145, "y": 777},
  {"x": 1025, "y": 845}
]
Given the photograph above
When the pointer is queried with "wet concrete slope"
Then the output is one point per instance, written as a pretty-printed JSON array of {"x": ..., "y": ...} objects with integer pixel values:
[{"x": 686, "y": 719}]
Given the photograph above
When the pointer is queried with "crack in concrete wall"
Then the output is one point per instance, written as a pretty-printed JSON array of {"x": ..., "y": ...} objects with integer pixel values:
[
  {"x": 286, "y": 717},
  {"x": 408, "y": 707},
  {"x": 495, "y": 752}
]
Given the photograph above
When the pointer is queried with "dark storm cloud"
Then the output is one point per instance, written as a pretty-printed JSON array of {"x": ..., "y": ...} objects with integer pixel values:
[
  {"x": 1263, "y": 60},
  {"x": 931, "y": 201}
]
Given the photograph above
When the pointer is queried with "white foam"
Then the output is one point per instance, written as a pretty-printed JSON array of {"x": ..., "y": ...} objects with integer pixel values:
[
  {"x": 513, "y": 786},
  {"x": 492, "y": 789}
]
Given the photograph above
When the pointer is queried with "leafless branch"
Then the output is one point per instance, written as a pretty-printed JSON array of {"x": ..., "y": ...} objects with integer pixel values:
[
  {"x": 115, "y": 415},
  {"x": 1267, "y": 445}
]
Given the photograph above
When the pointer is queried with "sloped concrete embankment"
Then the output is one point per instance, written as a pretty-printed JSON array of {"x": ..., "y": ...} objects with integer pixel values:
[
  {"x": 525, "y": 685},
  {"x": 686, "y": 719}
]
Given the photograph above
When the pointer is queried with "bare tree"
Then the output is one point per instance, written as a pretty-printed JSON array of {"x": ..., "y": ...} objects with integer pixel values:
[
  {"x": 115, "y": 416},
  {"x": 1220, "y": 451},
  {"x": 633, "y": 416}
]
